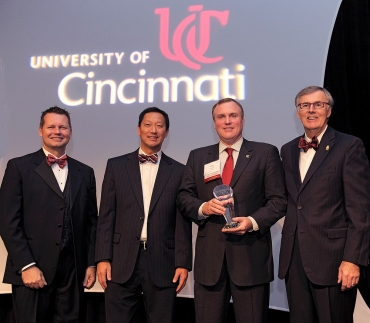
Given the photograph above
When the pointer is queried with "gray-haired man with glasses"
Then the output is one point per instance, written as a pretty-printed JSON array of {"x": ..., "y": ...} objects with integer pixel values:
[{"x": 325, "y": 239}]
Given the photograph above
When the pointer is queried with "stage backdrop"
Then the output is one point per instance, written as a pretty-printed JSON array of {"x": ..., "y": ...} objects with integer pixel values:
[{"x": 105, "y": 61}]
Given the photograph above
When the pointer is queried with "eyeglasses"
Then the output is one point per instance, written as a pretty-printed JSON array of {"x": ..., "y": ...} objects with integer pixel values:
[{"x": 316, "y": 105}]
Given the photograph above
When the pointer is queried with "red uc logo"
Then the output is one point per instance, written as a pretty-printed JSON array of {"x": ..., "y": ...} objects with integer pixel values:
[{"x": 197, "y": 53}]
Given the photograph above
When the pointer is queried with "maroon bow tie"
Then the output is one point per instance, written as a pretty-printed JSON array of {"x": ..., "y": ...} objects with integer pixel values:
[
  {"x": 307, "y": 145},
  {"x": 62, "y": 161},
  {"x": 151, "y": 158}
]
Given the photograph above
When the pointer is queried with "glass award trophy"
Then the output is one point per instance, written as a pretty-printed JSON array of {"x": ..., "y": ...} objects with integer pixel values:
[{"x": 222, "y": 193}]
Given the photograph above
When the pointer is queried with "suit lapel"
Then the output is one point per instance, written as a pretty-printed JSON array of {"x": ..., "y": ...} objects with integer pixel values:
[
  {"x": 164, "y": 172},
  {"x": 245, "y": 155},
  {"x": 328, "y": 140},
  {"x": 295, "y": 151},
  {"x": 133, "y": 170},
  {"x": 75, "y": 179},
  {"x": 46, "y": 173}
]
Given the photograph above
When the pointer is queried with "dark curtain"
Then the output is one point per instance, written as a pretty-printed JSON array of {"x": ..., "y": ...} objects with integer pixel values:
[
  {"x": 347, "y": 74},
  {"x": 347, "y": 77}
]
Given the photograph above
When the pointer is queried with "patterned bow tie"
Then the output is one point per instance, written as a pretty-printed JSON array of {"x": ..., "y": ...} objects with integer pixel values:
[
  {"x": 151, "y": 158},
  {"x": 307, "y": 145},
  {"x": 62, "y": 161}
]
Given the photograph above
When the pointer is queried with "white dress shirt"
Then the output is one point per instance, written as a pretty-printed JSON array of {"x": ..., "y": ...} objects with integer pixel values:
[
  {"x": 305, "y": 158},
  {"x": 60, "y": 174},
  {"x": 148, "y": 173}
]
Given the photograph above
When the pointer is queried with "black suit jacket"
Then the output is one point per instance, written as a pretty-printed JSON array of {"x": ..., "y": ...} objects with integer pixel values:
[
  {"x": 258, "y": 185},
  {"x": 31, "y": 215},
  {"x": 121, "y": 217},
  {"x": 330, "y": 211}
]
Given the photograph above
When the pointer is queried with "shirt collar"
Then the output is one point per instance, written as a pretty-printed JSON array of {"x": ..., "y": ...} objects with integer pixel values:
[
  {"x": 319, "y": 137},
  {"x": 159, "y": 153},
  {"x": 46, "y": 152},
  {"x": 236, "y": 145}
]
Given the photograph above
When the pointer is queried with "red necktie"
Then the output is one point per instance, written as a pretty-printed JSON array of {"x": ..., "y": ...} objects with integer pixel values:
[
  {"x": 151, "y": 158},
  {"x": 227, "y": 172},
  {"x": 307, "y": 145},
  {"x": 62, "y": 161}
]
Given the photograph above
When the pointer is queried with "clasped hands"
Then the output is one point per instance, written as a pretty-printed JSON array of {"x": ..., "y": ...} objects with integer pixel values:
[{"x": 216, "y": 207}]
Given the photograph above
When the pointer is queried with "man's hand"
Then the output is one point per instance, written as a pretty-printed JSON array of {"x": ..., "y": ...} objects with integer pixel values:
[
  {"x": 33, "y": 278},
  {"x": 245, "y": 224},
  {"x": 104, "y": 273},
  {"x": 214, "y": 207},
  {"x": 181, "y": 276},
  {"x": 348, "y": 275},
  {"x": 90, "y": 277}
]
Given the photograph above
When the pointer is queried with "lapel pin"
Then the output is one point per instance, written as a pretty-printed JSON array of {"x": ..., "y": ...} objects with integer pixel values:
[
  {"x": 327, "y": 147},
  {"x": 247, "y": 156}
]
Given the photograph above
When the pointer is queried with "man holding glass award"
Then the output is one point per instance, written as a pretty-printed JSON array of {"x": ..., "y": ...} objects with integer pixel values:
[{"x": 234, "y": 191}]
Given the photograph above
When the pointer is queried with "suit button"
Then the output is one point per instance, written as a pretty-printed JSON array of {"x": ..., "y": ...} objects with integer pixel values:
[
  {"x": 292, "y": 234},
  {"x": 137, "y": 237},
  {"x": 141, "y": 218},
  {"x": 299, "y": 207},
  {"x": 57, "y": 243},
  {"x": 59, "y": 225},
  {"x": 61, "y": 208}
]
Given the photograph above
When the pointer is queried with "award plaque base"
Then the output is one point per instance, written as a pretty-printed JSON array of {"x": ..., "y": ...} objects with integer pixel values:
[{"x": 231, "y": 225}]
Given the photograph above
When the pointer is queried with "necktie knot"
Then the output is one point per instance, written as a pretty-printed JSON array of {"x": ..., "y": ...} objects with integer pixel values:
[
  {"x": 229, "y": 151},
  {"x": 150, "y": 158},
  {"x": 62, "y": 161},
  {"x": 305, "y": 145}
]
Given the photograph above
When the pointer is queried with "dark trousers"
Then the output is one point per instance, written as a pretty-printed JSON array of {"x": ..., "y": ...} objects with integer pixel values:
[
  {"x": 251, "y": 303},
  {"x": 311, "y": 303},
  {"x": 56, "y": 302},
  {"x": 122, "y": 300}
]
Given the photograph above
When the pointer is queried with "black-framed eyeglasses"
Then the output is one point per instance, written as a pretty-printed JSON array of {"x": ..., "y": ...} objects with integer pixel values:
[{"x": 318, "y": 105}]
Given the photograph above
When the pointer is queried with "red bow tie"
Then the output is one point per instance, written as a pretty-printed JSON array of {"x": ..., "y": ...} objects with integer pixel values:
[
  {"x": 307, "y": 145},
  {"x": 151, "y": 158},
  {"x": 62, "y": 161}
]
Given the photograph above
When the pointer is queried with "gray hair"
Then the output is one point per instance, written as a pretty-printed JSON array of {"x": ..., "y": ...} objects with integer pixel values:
[{"x": 313, "y": 89}]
